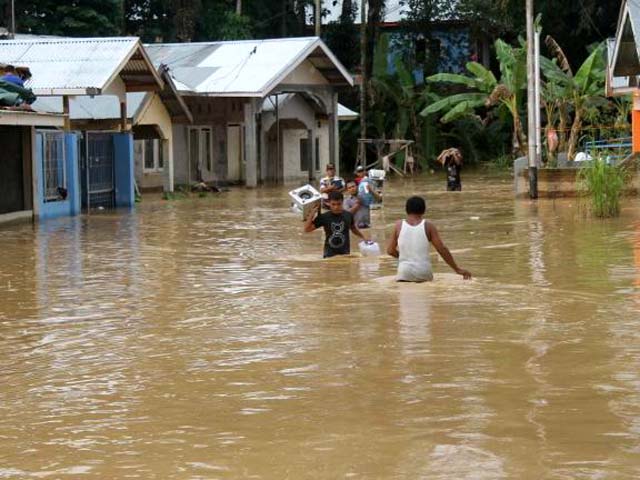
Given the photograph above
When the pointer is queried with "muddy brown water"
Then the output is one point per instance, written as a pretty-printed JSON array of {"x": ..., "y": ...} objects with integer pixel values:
[{"x": 205, "y": 339}]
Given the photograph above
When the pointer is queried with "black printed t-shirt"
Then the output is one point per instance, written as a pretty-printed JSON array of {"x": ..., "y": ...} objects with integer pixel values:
[{"x": 336, "y": 231}]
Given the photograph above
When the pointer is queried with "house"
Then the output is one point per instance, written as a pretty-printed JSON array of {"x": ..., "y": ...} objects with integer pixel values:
[
  {"x": 446, "y": 47},
  {"x": 623, "y": 63},
  {"x": 38, "y": 167},
  {"x": 91, "y": 67},
  {"x": 240, "y": 132},
  {"x": 149, "y": 117}
]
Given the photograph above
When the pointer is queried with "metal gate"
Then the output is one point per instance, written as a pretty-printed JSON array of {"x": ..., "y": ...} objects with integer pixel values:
[{"x": 98, "y": 174}]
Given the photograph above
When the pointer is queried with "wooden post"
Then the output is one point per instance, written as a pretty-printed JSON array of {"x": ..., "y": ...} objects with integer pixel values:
[
  {"x": 123, "y": 116},
  {"x": 318, "y": 16},
  {"x": 65, "y": 112}
]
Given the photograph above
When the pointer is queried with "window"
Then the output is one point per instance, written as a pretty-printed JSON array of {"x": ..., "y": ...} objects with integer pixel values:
[
  {"x": 206, "y": 143},
  {"x": 305, "y": 152},
  {"x": 152, "y": 154},
  {"x": 200, "y": 150},
  {"x": 54, "y": 166},
  {"x": 149, "y": 154}
]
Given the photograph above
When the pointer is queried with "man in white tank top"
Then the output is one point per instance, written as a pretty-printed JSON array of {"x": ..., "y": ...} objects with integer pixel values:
[{"x": 410, "y": 245}]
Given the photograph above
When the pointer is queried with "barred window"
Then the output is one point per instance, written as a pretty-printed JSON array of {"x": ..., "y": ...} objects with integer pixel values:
[{"x": 54, "y": 166}]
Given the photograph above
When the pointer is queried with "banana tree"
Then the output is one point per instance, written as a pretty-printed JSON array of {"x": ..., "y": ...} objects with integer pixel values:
[
  {"x": 483, "y": 90},
  {"x": 579, "y": 93},
  {"x": 407, "y": 100}
]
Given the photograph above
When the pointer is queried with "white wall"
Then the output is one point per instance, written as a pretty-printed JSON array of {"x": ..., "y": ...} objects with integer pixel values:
[
  {"x": 155, "y": 113},
  {"x": 291, "y": 156}
]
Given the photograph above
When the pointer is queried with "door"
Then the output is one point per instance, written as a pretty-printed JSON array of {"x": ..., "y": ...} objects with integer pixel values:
[
  {"x": 97, "y": 175},
  {"x": 234, "y": 153},
  {"x": 11, "y": 171},
  {"x": 195, "y": 167}
]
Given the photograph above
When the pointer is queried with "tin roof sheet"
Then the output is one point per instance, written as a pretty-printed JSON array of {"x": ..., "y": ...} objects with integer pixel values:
[
  {"x": 69, "y": 65},
  {"x": 238, "y": 68}
]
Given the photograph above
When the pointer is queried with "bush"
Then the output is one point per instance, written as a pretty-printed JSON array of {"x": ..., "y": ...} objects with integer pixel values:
[{"x": 603, "y": 184}]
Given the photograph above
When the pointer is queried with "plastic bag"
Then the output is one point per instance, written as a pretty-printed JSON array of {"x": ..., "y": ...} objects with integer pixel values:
[{"x": 369, "y": 248}]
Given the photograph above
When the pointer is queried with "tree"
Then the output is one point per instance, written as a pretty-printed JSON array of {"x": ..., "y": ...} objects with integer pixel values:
[
  {"x": 584, "y": 91},
  {"x": 151, "y": 20},
  {"x": 80, "y": 18},
  {"x": 481, "y": 89}
]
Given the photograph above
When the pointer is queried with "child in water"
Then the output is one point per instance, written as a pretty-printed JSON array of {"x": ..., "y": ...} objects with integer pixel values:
[
  {"x": 337, "y": 224},
  {"x": 410, "y": 244}
]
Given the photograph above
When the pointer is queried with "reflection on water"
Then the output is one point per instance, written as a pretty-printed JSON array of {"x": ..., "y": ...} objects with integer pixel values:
[{"x": 206, "y": 338}]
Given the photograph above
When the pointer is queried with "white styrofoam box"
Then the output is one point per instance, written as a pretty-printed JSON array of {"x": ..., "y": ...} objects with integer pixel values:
[
  {"x": 305, "y": 198},
  {"x": 377, "y": 174}
]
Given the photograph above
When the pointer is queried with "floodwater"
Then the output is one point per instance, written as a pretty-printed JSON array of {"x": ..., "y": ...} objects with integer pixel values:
[{"x": 206, "y": 339}]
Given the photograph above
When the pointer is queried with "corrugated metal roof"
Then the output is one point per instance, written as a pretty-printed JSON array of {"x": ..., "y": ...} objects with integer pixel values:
[
  {"x": 99, "y": 107},
  {"x": 345, "y": 113},
  {"x": 71, "y": 65},
  {"x": 238, "y": 68}
]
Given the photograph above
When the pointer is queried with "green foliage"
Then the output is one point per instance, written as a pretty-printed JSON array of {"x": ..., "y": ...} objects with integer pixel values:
[
  {"x": 603, "y": 184},
  {"x": 88, "y": 18}
]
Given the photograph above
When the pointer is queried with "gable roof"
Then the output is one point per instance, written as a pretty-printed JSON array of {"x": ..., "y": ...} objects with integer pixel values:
[
  {"x": 625, "y": 60},
  {"x": 81, "y": 66},
  {"x": 248, "y": 68}
]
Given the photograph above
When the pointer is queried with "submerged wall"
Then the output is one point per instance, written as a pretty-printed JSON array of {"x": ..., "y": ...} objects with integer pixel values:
[{"x": 559, "y": 182}]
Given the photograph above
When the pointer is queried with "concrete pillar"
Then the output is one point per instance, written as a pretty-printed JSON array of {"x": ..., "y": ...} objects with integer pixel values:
[
  {"x": 123, "y": 169},
  {"x": 635, "y": 123},
  {"x": 167, "y": 155},
  {"x": 250, "y": 143}
]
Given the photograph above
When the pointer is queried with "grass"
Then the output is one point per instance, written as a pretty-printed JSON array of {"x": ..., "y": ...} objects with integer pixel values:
[
  {"x": 603, "y": 185},
  {"x": 500, "y": 163}
]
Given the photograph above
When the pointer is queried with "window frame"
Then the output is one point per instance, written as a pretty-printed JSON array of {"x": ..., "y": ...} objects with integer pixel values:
[
  {"x": 157, "y": 145},
  {"x": 45, "y": 151}
]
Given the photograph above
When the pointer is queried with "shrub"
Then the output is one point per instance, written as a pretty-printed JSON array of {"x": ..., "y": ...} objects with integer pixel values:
[{"x": 603, "y": 185}]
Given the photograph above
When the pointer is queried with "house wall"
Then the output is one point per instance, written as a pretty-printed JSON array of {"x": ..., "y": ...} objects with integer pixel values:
[
  {"x": 216, "y": 114},
  {"x": 71, "y": 205},
  {"x": 155, "y": 113},
  {"x": 297, "y": 108},
  {"x": 124, "y": 174}
]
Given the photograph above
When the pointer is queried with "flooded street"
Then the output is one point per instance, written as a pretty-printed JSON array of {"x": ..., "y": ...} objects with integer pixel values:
[{"x": 206, "y": 338}]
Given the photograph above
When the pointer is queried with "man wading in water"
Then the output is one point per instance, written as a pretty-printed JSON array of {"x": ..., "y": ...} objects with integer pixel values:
[
  {"x": 336, "y": 223},
  {"x": 410, "y": 244}
]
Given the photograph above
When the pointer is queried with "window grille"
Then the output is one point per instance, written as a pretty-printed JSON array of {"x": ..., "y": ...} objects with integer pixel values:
[{"x": 54, "y": 166}]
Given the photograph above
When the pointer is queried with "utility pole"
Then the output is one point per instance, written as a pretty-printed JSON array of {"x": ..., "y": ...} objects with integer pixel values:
[
  {"x": 318, "y": 16},
  {"x": 531, "y": 114},
  {"x": 536, "y": 65},
  {"x": 362, "y": 160}
]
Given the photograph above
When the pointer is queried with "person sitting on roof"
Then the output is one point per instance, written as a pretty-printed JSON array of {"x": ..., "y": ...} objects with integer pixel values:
[{"x": 11, "y": 75}]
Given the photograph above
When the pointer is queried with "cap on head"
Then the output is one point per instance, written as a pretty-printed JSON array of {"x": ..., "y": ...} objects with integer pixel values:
[{"x": 359, "y": 168}]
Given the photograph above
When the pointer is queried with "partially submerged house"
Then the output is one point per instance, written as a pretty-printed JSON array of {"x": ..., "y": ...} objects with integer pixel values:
[
  {"x": 150, "y": 117},
  {"x": 89, "y": 67},
  {"x": 447, "y": 46},
  {"x": 38, "y": 160},
  {"x": 240, "y": 132}
]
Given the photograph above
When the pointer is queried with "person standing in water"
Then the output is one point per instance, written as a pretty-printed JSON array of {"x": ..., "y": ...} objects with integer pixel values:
[
  {"x": 410, "y": 244},
  {"x": 337, "y": 224},
  {"x": 330, "y": 183}
]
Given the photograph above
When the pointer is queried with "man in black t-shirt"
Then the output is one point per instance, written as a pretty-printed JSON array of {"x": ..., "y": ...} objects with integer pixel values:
[
  {"x": 337, "y": 224},
  {"x": 454, "y": 184}
]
